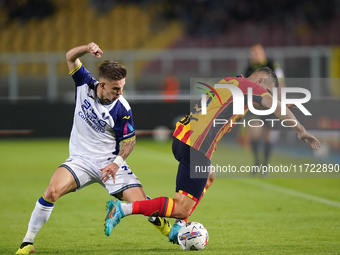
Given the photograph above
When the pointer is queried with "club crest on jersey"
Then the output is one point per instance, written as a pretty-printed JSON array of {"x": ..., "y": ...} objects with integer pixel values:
[{"x": 103, "y": 116}]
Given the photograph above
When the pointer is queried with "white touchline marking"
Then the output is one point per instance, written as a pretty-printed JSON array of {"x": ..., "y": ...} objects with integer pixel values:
[{"x": 291, "y": 192}]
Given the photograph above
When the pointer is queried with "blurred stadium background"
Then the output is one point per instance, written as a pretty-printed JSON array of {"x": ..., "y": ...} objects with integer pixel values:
[{"x": 164, "y": 44}]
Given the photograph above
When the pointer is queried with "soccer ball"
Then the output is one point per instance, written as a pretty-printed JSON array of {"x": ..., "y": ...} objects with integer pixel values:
[{"x": 193, "y": 236}]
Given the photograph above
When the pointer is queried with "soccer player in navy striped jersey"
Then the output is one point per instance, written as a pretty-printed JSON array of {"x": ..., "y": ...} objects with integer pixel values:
[{"x": 102, "y": 137}]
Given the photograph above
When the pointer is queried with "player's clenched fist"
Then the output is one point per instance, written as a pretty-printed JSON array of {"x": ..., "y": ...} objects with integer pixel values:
[{"x": 94, "y": 49}]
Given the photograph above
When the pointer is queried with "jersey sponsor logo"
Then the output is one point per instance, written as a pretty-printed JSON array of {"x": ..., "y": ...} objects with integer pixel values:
[{"x": 89, "y": 115}]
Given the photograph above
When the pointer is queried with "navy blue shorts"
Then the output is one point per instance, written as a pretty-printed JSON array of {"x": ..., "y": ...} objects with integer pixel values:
[{"x": 188, "y": 181}]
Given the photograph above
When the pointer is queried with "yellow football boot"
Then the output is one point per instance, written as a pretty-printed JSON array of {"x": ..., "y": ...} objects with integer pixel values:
[
  {"x": 25, "y": 249},
  {"x": 162, "y": 225}
]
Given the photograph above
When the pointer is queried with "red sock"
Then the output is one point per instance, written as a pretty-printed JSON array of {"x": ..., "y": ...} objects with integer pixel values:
[
  {"x": 160, "y": 206},
  {"x": 186, "y": 220}
]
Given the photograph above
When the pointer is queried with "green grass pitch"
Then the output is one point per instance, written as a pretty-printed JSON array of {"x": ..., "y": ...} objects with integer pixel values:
[{"x": 242, "y": 216}]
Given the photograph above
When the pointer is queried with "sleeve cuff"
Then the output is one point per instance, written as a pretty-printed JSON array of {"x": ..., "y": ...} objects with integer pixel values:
[
  {"x": 75, "y": 70},
  {"x": 129, "y": 139},
  {"x": 266, "y": 93}
]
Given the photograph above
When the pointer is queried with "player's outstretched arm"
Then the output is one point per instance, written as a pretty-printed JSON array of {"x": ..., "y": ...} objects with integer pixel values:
[
  {"x": 73, "y": 55},
  {"x": 111, "y": 169},
  {"x": 291, "y": 120}
]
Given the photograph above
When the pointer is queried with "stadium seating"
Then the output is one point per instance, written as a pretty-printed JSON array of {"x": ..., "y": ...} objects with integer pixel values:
[{"x": 125, "y": 26}]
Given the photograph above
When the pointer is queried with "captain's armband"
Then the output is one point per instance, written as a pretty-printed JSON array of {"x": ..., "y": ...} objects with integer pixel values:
[{"x": 129, "y": 139}]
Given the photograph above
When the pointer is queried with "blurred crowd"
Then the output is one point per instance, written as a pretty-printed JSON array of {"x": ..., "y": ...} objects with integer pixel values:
[
  {"x": 23, "y": 11},
  {"x": 203, "y": 17},
  {"x": 232, "y": 23}
]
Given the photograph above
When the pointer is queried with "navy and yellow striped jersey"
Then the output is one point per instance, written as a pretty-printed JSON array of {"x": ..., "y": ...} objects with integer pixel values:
[{"x": 198, "y": 130}]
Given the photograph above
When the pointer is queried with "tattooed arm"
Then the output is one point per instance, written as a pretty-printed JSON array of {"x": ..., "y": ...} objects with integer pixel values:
[
  {"x": 111, "y": 169},
  {"x": 127, "y": 147}
]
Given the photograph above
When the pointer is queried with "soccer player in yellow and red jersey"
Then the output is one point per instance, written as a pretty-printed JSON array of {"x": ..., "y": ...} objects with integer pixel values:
[{"x": 194, "y": 142}]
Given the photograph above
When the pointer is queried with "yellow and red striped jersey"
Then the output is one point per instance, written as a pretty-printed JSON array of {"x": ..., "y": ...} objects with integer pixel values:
[{"x": 198, "y": 131}]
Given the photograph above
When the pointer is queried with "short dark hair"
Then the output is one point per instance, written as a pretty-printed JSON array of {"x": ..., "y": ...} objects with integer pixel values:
[
  {"x": 271, "y": 74},
  {"x": 112, "y": 70}
]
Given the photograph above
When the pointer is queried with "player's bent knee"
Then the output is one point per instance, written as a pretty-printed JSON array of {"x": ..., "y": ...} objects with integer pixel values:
[{"x": 51, "y": 194}]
